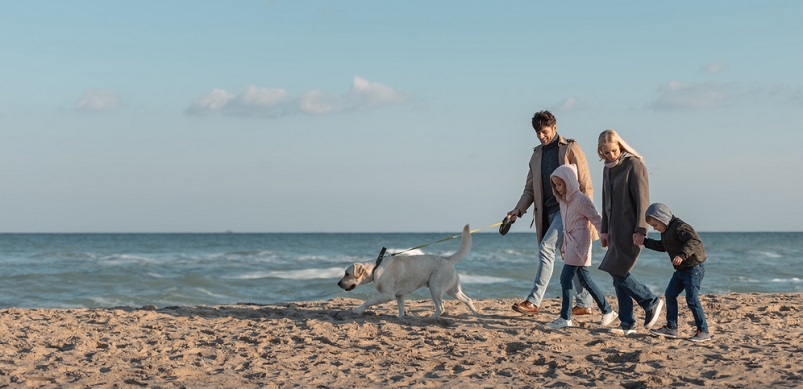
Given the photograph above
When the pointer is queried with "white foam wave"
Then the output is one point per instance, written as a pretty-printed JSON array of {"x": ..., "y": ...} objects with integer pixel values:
[
  {"x": 211, "y": 294},
  {"x": 794, "y": 280},
  {"x": 410, "y": 252},
  {"x": 303, "y": 274},
  {"x": 468, "y": 279},
  {"x": 123, "y": 259},
  {"x": 770, "y": 254}
]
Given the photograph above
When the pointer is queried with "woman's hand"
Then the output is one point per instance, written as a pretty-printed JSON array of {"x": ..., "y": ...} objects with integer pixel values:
[
  {"x": 512, "y": 215},
  {"x": 603, "y": 239}
]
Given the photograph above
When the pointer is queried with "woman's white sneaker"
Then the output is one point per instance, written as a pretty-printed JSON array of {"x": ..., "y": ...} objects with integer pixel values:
[
  {"x": 561, "y": 323},
  {"x": 623, "y": 331}
]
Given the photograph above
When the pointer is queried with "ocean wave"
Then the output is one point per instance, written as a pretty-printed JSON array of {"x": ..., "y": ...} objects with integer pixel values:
[
  {"x": 405, "y": 253},
  {"x": 469, "y": 279},
  {"x": 769, "y": 254},
  {"x": 302, "y": 274},
  {"x": 793, "y": 280},
  {"x": 125, "y": 259}
]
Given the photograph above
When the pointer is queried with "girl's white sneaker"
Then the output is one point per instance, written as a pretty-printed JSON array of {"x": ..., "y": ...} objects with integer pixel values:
[
  {"x": 561, "y": 323},
  {"x": 608, "y": 318}
]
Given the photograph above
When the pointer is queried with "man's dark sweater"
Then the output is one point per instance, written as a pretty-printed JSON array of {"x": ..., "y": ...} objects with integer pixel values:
[{"x": 549, "y": 162}]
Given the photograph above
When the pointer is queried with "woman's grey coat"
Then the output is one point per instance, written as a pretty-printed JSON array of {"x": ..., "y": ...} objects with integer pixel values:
[{"x": 625, "y": 198}]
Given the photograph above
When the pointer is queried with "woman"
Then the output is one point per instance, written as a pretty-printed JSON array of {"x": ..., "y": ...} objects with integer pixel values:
[{"x": 625, "y": 198}]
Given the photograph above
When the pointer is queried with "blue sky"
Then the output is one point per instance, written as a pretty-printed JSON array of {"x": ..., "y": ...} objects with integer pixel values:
[{"x": 351, "y": 116}]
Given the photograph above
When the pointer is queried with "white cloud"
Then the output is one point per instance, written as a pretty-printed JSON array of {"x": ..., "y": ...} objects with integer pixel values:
[
  {"x": 715, "y": 67},
  {"x": 211, "y": 102},
  {"x": 570, "y": 104},
  {"x": 253, "y": 101},
  {"x": 364, "y": 94},
  {"x": 99, "y": 100},
  {"x": 258, "y": 101},
  {"x": 677, "y": 95},
  {"x": 371, "y": 94},
  {"x": 319, "y": 103}
]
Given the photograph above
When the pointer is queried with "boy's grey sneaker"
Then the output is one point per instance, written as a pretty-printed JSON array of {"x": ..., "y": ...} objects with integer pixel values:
[
  {"x": 623, "y": 330},
  {"x": 665, "y": 332},
  {"x": 700, "y": 336},
  {"x": 653, "y": 314}
]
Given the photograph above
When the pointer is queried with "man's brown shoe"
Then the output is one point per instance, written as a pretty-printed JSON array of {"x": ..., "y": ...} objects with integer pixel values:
[
  {"x": 578, "y": 311},
  {"x": 526, "y": 308}
]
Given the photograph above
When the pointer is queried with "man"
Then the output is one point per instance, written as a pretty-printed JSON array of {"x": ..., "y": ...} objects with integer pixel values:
[{"x": 554, "y": 151}]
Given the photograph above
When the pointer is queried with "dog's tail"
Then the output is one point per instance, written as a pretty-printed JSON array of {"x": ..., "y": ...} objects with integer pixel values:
[{"x": 465, "y": 246}]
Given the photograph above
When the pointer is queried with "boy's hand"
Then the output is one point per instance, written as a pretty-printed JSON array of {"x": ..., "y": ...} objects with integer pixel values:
[
  {"x": 638, "y": 239},
  {"x": 677, "y": 260}
]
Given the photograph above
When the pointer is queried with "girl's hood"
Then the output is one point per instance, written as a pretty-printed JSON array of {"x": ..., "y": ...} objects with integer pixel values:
[{"x": 567, "y": 173}]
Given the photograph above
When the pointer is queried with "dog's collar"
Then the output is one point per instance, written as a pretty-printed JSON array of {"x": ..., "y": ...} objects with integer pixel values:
[{"x": 378, "y": 261}]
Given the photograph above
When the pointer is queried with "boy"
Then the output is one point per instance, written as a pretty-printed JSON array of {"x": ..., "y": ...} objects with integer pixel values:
[{"x": 686, "y": 251}]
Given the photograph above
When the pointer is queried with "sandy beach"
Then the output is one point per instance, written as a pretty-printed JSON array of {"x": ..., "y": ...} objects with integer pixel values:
[{"x": 757, "y": 343}]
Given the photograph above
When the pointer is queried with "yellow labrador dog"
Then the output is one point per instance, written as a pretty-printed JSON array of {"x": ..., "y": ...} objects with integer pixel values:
[{"x": 398, "y": 276}]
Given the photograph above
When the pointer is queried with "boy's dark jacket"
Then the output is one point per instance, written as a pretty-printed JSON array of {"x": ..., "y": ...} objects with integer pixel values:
[{"x": 679, "y": 239}]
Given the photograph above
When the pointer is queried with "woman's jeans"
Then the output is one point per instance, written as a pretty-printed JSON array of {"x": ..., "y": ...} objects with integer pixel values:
[
  {"x": 553, "y": 238},
  {"x": 582, "y": 274},
  {"x": 628, "y": 288},
  {"x": 688, "y": 280}
]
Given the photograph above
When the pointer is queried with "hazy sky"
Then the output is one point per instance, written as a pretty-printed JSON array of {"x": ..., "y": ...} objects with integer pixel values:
[{"x": 352, "y": 116}]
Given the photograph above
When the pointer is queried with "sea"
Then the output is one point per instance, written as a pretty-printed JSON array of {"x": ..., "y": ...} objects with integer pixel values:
[{"x": 136, "y": 270}]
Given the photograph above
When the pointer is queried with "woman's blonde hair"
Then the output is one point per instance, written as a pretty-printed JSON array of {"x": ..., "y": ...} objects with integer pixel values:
[{"x": 611, "y": 136}]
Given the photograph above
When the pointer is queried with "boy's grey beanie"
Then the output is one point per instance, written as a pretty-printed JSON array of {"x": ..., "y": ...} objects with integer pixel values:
[{"x": 660, "y": 212}]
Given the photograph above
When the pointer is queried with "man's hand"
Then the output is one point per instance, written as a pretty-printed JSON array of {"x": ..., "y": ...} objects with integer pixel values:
[
  {"x": 603, "y": 239},
  {"x": 677, "y": 260}
]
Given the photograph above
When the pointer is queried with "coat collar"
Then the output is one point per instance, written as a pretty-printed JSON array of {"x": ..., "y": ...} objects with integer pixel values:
[{"x": 561, "y": 142}]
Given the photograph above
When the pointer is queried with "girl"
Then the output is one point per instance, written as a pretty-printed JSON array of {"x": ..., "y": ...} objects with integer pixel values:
[
  {"x": 578, "y": 214},
  {"x": 625, "y": 197}
]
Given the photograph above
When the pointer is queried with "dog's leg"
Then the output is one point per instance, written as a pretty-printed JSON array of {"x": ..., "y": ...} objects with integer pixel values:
[
  {"x": 400, "y": 303},
  {"x": 457, "y": 293},
  {"x": 378, "y": 299},
  {"x": 437, "y": 298}
]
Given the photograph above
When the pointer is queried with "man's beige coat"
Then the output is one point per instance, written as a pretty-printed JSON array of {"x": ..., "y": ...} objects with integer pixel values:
[{"x": 569, "y": 152}]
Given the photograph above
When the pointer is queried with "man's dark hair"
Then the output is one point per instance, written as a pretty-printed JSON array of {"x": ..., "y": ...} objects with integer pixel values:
[{"x": 543, "y": 119}]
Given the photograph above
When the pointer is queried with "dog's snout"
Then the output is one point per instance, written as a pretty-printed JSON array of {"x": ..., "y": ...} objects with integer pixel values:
[{"x": 346, "y": 287}]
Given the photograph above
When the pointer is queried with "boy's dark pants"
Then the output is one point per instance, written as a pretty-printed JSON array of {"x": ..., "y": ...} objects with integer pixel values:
[{"x": 688, "y": 280}]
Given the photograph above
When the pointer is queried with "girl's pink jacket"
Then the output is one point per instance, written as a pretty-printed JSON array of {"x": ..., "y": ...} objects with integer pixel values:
[{"x": 579, "y": 216}]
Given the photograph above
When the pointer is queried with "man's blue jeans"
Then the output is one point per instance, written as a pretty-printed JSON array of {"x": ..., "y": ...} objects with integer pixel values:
[
  {"x": 688, "y": 280},
  {"x": 628, "y": 288},
  {"x": 553, "y": 239}
]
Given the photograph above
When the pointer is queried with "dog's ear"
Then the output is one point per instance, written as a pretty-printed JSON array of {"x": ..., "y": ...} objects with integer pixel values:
[{"x": 359, "y": 270}]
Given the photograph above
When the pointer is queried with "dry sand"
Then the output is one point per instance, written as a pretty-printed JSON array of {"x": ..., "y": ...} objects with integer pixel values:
[{"x": 757, "y": 343}]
